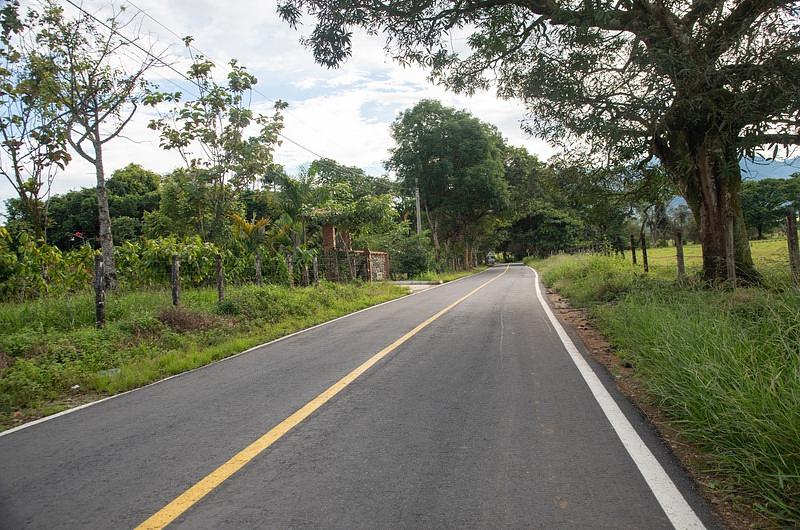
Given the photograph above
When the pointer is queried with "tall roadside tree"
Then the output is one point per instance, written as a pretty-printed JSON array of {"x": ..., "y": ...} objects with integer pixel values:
[
  {"x": 456, "y": 161},
  {"x": 693, "y": 83},
  {"x": 218, "y": 134},
  {"x": 764, "y": 201},
  {"x": 33, "y": 144},
  {"x": 99, "y": 81}
]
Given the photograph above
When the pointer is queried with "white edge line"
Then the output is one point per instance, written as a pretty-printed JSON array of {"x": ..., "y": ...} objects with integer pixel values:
[
  {"x": 228, "y": 358},
  {"x": 675, "y": 506}
]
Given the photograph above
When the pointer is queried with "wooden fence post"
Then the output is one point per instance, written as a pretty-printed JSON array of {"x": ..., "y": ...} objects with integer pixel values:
[
  {"x": 335, "y": 265},
  {"x": 679, "y": 254},
  {"x": 220, "y": 280},
  {"x": 730, "y": 260},
  {"x": 316, "y": 271},
  {"x": 633, "y": 249},
  {"x": 643, "y": 242},
  {"x": 794, "y": 250},
  {"x": 290, "y": 268},
  {"x": 258, "y": 266},
  {"x": 368, "y": 264},
  {"x": 176, "y": 280},
  {"x": 99, "y": 292}
]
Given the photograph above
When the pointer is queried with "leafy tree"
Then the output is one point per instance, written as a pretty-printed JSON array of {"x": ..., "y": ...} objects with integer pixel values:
[
  {"x": 100, "y": 90},
  {"x": 126, "y": 228},
  {"x": 132, "y": 193},
  {"x": 692, "y": 83},
  {"x": 544, "y": 230},
  {"x": 32, "y": 136},
  {"x": 260, "y": 203},
  {"x": 213, "y": 135},
  {"x": 764, "y": 201},
  {"x": 411, "y": 253},
  {"x": 296, "y": 196},
  {"x": 682, "y": 219},
  {"x": 72, "y": 218},
  {"x": 456, "y": 161},
  {"x": 326, "y": 172},
  {"x": 185, "y": 208},
  {"x": 596, "y": 199},
  {"x": 253, "y": 235},
  {"x": 352, "y": 215}
]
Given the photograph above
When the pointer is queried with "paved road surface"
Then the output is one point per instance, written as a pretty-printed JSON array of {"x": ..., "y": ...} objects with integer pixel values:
[{"x": 481, "y": 419}]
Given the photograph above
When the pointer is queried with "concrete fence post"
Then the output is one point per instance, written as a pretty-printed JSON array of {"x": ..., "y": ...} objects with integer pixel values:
[
  {"x": 176, "y": 280},
  {"x": 220, "y": 280}
]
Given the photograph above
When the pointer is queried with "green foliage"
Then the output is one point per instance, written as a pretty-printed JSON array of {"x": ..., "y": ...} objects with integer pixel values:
[
  {"x": 764, "y": 201},
  {"x": 33, "y": 139},
  {"x": 722, "y": 364},
  {"x": 126, "y": 228},
  {"x": 52, "y": 344},
  {"x": 214, "y": 135},
  {"x": 411, "y": 253},
  {"x": 456, "y": 161},
  {"x": 544, "y": 230},
  {"x": 29, "y": 269},
  {"x": 694, "y": 85},
  {"x": 352, "y": 214},
  {"x": 148, "y": 262}
]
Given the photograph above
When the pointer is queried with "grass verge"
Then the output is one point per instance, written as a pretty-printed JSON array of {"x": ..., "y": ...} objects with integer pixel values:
[
  {"x": 724, "y": 366},
  {"x": 52, "y": 357},
  {"x": 448, "y": 276}
]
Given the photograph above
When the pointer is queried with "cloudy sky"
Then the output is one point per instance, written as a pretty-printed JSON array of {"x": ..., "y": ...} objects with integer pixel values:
[{"x": 342, "y": 114}]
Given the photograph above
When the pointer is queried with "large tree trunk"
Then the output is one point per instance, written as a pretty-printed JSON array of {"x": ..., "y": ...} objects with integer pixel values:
[
  {"x": 434, "y": 232},
  {"x": 710, "y": 179},
  {"x": 104, "y": 218}
]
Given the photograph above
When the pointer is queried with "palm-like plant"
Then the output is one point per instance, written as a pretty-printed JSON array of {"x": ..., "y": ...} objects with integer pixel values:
[{"x": 253, "y": 234}]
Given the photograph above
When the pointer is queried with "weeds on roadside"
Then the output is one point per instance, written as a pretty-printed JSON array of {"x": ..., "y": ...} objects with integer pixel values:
[
  {"x": 724, "y": 365},
  {"x": 50, "y": 349}
]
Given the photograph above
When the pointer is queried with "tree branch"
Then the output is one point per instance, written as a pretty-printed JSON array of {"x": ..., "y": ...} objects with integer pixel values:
[{"x": 756, "y": 140}]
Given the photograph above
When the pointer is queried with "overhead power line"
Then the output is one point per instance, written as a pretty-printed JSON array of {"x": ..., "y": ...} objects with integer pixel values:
[{"x": 172, "y": 68}]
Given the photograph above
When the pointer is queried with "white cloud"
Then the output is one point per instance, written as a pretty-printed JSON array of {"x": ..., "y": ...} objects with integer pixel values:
[{"x": 343, "y": 114}]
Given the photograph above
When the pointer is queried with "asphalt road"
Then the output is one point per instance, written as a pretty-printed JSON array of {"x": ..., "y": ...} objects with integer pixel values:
[{"x": 481, "y": 419}]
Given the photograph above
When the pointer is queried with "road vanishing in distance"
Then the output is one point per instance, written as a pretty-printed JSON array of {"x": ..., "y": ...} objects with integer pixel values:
[{"x": 462, "y": 406}]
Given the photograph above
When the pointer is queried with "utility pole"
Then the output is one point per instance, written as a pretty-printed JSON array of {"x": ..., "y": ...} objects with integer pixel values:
[{"x": 419, "y": 214}]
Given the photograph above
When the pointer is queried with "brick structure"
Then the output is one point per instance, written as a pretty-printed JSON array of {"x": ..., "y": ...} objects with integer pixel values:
[{"x": 340, "y": 265}]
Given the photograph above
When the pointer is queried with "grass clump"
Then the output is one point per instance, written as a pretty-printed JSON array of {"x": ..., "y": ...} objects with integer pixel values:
[
  {"x": 47, "y": 359},
  {"x": 724, "y": 365}
]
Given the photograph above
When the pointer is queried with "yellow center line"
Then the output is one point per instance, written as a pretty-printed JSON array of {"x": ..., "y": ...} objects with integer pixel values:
[{"x": 190, "y": 497}]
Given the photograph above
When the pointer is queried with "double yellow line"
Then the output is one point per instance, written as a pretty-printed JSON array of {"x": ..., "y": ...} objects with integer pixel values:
[{"x": 190, "y": 497}]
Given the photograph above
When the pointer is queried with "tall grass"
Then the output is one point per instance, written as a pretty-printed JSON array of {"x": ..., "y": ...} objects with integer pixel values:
[
  {"x": 51, "y": 351},
  {"x": 724, "y": 365}
]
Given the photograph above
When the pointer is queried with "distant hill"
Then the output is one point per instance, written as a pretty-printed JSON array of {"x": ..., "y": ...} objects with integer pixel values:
[{"x": 760, "y": 168}]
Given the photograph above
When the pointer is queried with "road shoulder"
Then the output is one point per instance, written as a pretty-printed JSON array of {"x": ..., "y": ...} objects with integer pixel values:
[{"x": 683, "y": 463}]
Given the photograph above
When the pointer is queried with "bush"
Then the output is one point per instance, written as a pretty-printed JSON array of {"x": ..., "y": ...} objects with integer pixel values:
[{"x": 413, "y": 255}]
